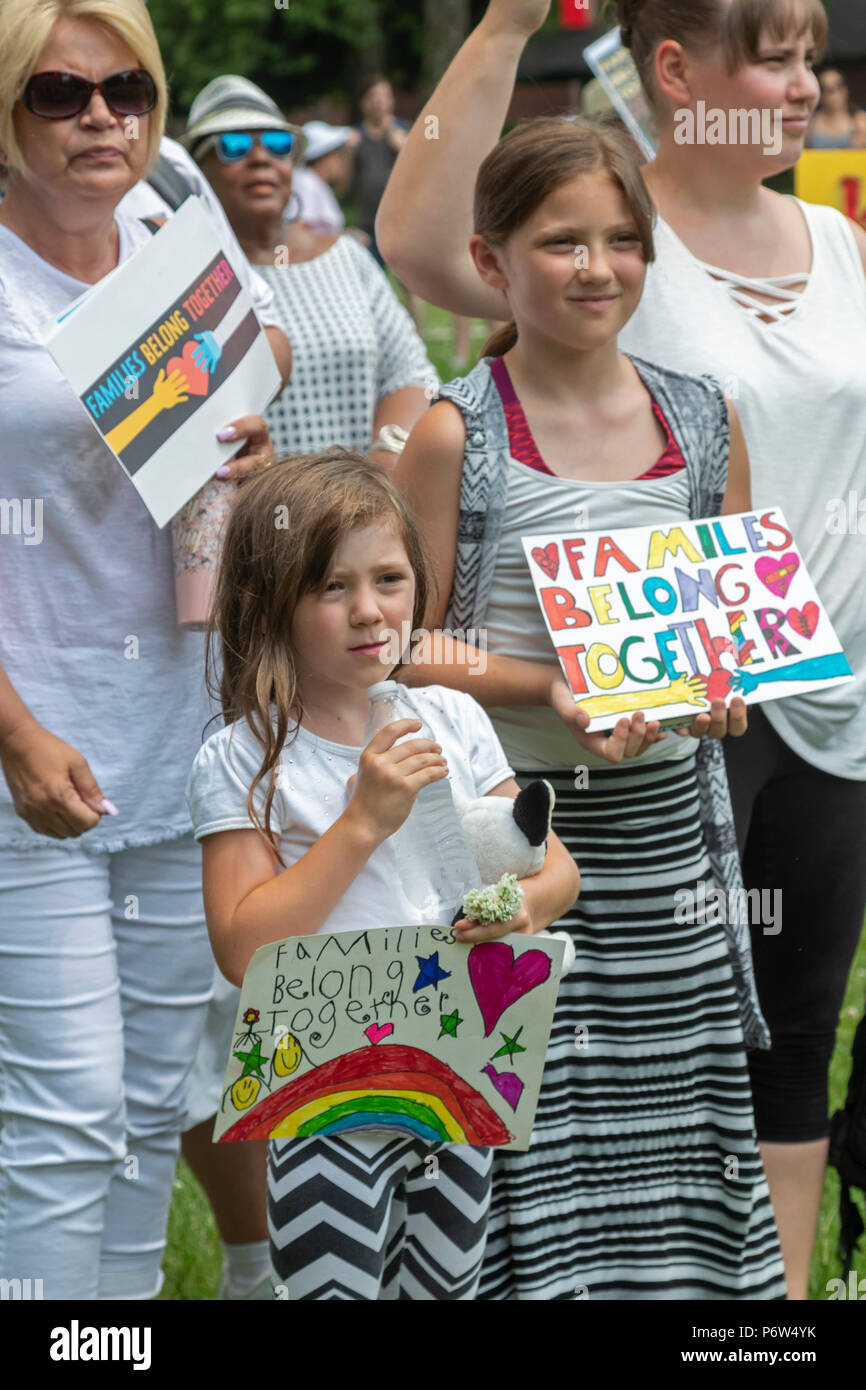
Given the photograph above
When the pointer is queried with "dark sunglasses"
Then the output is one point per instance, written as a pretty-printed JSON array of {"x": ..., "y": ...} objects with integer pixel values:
[
  {"x": 236, "y": 144},
  {"x": 57, "y": 96}
]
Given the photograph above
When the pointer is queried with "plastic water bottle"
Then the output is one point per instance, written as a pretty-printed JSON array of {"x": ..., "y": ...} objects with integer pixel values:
[{"x": 434, "y": 861}]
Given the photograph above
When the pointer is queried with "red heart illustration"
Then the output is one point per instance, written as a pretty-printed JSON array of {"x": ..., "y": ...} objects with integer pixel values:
[
  {"x": 197, "y": 379},
  {"x": 718, "y": 684},
  {"x": 377, "y": 1031},
  {"x": 804, "y": 620},
  {"x": 547, "y": 559},
  {"x": 499, "y": 980},
  {"x": 776, "y": 574}
]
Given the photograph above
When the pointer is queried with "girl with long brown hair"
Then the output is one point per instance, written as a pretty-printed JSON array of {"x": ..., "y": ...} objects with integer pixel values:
[
  {"x": 644, "y": 1111},
  {"x": 322, "y": 570},
  {"x": 768, "y": 293}
]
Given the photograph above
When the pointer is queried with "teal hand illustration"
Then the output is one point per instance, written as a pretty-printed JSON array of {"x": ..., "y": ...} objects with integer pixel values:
[
  {"x": 813, "y": 668},
  {"x": 207, "y": 352}
]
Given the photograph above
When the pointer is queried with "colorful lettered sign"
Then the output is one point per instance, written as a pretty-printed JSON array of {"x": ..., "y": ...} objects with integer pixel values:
[
  {"x": 666, "y": 619},
  {"x": 400, "y": 1031}
]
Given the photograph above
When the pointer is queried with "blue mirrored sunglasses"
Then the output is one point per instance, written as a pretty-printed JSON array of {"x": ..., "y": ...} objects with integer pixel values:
[{"x": 236, "y": 144}]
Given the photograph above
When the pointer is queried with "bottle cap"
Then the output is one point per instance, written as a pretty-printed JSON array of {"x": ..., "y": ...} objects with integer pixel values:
[{"x": 381, "y": 688}]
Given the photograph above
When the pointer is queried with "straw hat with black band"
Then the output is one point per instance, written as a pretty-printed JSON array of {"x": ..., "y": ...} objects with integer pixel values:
[{"x": 234, "y": 103}]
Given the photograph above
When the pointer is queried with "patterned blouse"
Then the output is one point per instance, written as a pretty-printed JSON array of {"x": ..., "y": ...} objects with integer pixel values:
[{"x": 353, "y": 343}]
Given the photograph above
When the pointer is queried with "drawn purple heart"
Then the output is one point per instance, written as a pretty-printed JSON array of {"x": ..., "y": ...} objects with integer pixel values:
[
  {"x": 499, "y": 979},
  {"x": 509, "y": 1086}
]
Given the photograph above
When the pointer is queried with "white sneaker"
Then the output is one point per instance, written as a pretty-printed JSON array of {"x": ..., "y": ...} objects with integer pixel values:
[{"x": 261, "y": 1290}]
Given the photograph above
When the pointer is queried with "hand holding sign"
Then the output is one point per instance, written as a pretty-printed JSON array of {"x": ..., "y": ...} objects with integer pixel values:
[
  {"x": 257, "y": 452},
  {"x": 628, "y": 739}
]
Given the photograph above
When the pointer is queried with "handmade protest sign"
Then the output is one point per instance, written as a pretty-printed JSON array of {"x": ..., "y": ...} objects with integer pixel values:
[
  {"x": 666, "y": 619},
  {"x": 162, "y": 353},
  {"x": 402, "y": 1030}
]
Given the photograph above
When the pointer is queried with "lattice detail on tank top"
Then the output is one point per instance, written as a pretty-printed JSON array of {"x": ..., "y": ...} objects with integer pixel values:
[{"x": 742, "y": 289}]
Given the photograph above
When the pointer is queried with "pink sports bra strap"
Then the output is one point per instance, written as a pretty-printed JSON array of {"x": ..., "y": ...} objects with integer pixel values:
[{"x": 524, "y": 449}]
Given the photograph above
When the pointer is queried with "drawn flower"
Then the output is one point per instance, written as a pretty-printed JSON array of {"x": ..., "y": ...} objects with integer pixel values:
[{"x": 251, "y": 1016}]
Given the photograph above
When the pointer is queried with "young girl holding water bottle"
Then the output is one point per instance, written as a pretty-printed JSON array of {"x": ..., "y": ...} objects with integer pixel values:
[
  {"x": 644, "y": 1179},
  {"x": 322, "y": 565}
]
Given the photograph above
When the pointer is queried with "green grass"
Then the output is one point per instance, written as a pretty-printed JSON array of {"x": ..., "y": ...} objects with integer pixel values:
[{"x": 192, "y": 1261}]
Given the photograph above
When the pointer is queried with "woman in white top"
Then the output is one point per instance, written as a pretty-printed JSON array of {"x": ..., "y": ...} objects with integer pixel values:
[
  {"x": 106, "y": 968},
  {"x": 768, "y": 294}
]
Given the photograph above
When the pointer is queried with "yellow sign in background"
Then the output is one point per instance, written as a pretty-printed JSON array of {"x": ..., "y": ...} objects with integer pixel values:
[{"x": 835, "y": 177}]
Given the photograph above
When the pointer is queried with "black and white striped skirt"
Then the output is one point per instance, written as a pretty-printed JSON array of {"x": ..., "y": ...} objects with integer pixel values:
[{"x": 643, "y": 1180}]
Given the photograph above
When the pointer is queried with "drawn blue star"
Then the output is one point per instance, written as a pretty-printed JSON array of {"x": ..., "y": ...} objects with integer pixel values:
[{"x": 429, "y": 973}]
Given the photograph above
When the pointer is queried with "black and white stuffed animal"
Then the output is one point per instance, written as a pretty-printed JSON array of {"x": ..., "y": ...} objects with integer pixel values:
[{"x": 510, "y": 837}]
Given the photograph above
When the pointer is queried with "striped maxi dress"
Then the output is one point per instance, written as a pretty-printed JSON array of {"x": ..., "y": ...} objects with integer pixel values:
[{"x": 643, "y": 1180}]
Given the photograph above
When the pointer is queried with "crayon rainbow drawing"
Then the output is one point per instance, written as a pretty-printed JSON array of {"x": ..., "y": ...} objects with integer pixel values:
[
  {"x": 391, "y": 1031},
  {"x": 393, "y": 1087}
]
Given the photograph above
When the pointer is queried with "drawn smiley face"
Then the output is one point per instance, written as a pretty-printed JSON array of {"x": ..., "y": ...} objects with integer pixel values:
[
  {"x": 245, "y": 1091},
  {"x": 287, "y": 1056}
]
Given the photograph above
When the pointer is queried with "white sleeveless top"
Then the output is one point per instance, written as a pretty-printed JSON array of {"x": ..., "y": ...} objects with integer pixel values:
[{"x": 799, "y": 385}]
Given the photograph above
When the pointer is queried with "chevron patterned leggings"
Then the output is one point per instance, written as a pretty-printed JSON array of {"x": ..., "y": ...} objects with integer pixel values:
[{"x": 374, "y": 1218}]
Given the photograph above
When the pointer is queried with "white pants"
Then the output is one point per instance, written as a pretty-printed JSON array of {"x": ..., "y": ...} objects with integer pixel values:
[{"x": 105, "y": 976}]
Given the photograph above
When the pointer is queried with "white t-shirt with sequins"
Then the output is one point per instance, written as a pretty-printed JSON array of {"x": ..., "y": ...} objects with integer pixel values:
[{"x": 311, "y": 795}]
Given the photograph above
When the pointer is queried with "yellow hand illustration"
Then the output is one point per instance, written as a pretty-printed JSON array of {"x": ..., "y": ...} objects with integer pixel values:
[
  {"x": 682, "y": 690},
  {"x": 170, "y": 391},
  {"x": 166, "y": 394}
]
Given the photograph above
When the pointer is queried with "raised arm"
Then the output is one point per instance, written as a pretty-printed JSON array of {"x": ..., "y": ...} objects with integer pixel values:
[{"x": 425, "y": 217}]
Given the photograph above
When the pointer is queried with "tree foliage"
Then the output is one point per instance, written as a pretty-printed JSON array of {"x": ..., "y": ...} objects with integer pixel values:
[{"x": 298, "y": 53}]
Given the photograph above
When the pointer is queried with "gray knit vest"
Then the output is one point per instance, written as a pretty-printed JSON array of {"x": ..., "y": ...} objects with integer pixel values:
[{"x": 695, "y": 410}]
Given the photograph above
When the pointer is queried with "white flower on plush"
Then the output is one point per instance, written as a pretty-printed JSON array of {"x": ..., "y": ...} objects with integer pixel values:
[{"x": 508, "y": 840}]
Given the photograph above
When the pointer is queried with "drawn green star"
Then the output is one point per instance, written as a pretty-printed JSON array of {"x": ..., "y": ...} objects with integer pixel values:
[
  {"x": 510, "y": 1045},
  {"x": 450, "y": 1023},
  {"x": 253, "y": 1060}
]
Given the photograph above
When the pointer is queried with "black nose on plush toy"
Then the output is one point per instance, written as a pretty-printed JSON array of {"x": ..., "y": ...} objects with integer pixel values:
[{"x": 533, "y": 811}]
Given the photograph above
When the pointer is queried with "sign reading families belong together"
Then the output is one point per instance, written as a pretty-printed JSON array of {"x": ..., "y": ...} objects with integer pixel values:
[
  {"x": 666, "y": 619},
  {"x": 403, "y": 1030},
  {"x": 162, "y": 353}
]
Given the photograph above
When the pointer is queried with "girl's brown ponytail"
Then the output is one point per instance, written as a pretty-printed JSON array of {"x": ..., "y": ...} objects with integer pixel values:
[{"x": 501, "y": 340}]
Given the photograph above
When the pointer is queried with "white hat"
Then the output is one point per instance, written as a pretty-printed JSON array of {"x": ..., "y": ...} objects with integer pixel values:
[
  {"x": 234, "y": 103},
  {"x": 324, "y": 139}
]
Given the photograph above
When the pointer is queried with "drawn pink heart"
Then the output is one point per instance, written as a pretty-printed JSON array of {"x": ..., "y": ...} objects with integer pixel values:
[
  {"x": 377, "y": 1031},
  {"x": 499, "y": 980},
  {"x": 777, "y": 572},
  {"x": 197, "y": 379},
  {"x": 804, "y": 620},
  {"x": 547, "y": 559}
]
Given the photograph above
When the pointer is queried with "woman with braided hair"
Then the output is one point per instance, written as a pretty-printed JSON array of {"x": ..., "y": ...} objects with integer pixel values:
[{"x": 768, "y": 294}]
